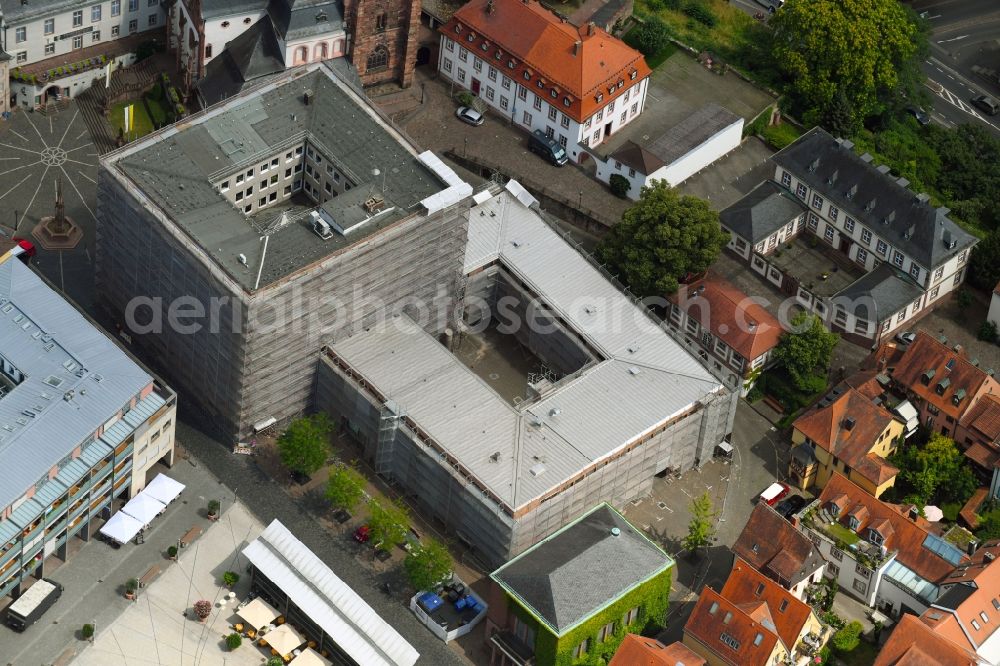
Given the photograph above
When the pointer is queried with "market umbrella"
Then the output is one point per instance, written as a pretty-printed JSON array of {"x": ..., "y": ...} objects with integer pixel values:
[
  {"x": 309, "y": 657},
  {"x": 284, "y": 639},
  {"x": 258, "y": 613},
  {"x": 932, "y": 513}
]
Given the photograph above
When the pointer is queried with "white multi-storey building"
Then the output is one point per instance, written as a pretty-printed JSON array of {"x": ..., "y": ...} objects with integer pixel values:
[
  {"x": 59, "y": 47},
  {"x": 911, "y": 253},
  {"x": 578, "y": 85}
]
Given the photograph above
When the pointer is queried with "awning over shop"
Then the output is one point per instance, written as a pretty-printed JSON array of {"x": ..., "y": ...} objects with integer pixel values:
[
  {"x": 163, "y": 488},
  {"x": 121, "y": 527}
]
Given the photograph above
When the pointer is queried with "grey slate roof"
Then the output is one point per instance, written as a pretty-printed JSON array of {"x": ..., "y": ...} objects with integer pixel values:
[
  {"x": 59, "y": 351},
  {"x": 305, "y": 18},
  {"x": 955, "y": 596},
  {"x": 886, "y": 289},
  {"x": 918, "y": 229},
  {"x": 761, "y": 212},
  {"x": 691, "y": 132},
  {"x": 580, "y": 569},
  {"x": 216, "y": 8},
  {"x": 633, "y": 155},
  {"x": 17, "y": 13},
  {"x": 249, "y": 58},
  {"x": 172, "y": 168}
]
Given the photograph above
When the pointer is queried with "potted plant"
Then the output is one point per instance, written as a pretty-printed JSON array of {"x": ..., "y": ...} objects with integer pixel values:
[
  {"x": 233, "y": 641},
  {"x": 131, "y": 585},
  {"x": 87, "y": 632},
  {"x": 213, "y": 509},
  {"x": 230, "y": 578},
  {"x": 202, "y": 608},
  {"x": 172, "y": 552},
  {"x": 274, "y": 661}
]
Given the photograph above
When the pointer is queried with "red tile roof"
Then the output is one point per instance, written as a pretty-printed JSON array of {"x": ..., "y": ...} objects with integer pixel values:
[
  {"x": 714, "y": 615},
  {"x": 984, "y": 419},
  {"x": 913, "y": 643},
  {"x": 731, "y": 315},
  {"x": 829, "y": 426},
  {"x": 772, "y": 545},
  {"x": 641, "y": 651},
  {"x": 786, "y": 613},
  {"x": 967, "y": 596},
  {"x": 970, "y": 511},
  {"x": 927, "y": 355},
  {"x": 544, "y": 46},
  {"x": 907, "y": 535}
]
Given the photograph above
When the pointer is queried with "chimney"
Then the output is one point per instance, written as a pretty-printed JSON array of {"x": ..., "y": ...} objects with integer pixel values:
[
  {"x": 849, "y": 423},
  {"x": 307, "y": 97},
  {"x": 914, "y": 513},
  {"x": 490, "y": 7},
  {"x": 970, "y": 549},
  {"x": 576, "y": 47},
  {"x": 590, "y": 28}
]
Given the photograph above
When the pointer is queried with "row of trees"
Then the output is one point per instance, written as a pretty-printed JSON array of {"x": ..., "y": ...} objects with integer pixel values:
[{"x": 304, "y": 447}]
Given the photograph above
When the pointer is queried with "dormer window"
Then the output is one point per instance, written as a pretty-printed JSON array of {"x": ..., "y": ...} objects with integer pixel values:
[
  {"x": 540, "y": 83},
  {"x": 471, "y": 37},
  {"x": 510, "y": 64},
  {"x": 632, "y": 75},
  {"x": 554, "y": 93},
  {"x": 942, "y": 386},
  {"x": 621, "y": 82},
  {"x": 875, "y": 537},
  {"x": 926, "y": 378},
  {"x": 566, "y": 101},
  {"x": 853, "y": 523},
  {"x": 458, "y": 29},
  {"x": 527, "y": 76},
  {"x": 958, "y": 397},
  {"x": 484, "y": 46},
  {"x": 599, "y": 98},
  {"x": 499, "y": 54}
]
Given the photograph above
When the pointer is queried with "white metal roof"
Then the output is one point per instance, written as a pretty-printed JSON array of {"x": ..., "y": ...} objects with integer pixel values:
[
  {"x": 30, "y": 599},
  {"x": 144, "y": 507},
  {"x": 327, "y": 600},
  {"x": 521, "y": 453},
  {"x": 121, "y": 527},
  {"x": 163, "y": 488},
  {"x": 75, "y": 379}
]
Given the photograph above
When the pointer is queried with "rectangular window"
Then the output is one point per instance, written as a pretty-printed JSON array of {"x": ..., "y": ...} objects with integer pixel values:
[
  {"x": 813, "y": 222},
  {"x": 463, "y": 55},
  {"x": 611, "y": 107},
  {"x": 832, "y": 569},
  {"x": 631, "y": 616},
  {"x": 239, "y": 196},
  {"x": 95, "y": 13},
  {"x": 446, "y": 65},
  {"x": 623, "y": 117},
  {"x": 78, "y": 18},
  {"x": 78, "y": 42},
  {"x": 881, "y": 247},
  {"x": 786, "y": 179},
  {"x": 133, "y": 5},
  {"x": 817, "y": 202},
  {"x": 866, "y": 236},
  {"x": 938, "y": 273},
  {"x": 958, "y": 278},
  {"x": 916, "y": 306},
  {"x": 274, "y": 179},
  {"x": 506, "y": 83},
  {"x": 538, "y": 103},
  {"x": 461, "y": 75},
  {"x": 22, "y": 56},
  {"x": 116, "y": 7},
  {"x": 50, "y": 48},
  {"x": 600, "y": 115},
  {"x": 862, "y": 256},
  {"x": 606, "y": 632},
  {"x": 800, "y": 191},
  {"x": 133, "y": 26},
  {"x": 901, "y": 316},
  {"x": 272, "y": 196},
  {"x": 449, "y": 45},
  {"x": 152, "y": 20},
  {"x": 152, "y": 3},
  {"x": 962, "y": 257},
  {"x": 493, "y": 74},
  {"x": 288, "y": 172},
  {"x": 526, "y": 119},
  {"x": 477, "y": 64},
  {"x": 95, "y": 36},
  {"x": 860, "y": 586},
  {"x": 934, "y": 292},
  {"x": 239, "y": 179},
  {"x": 50, "y": 26},
  {"x": 21, "y": 35},
  {"x": 489, "y": 93},
  {"x": 504, "y": 103},
  {"x": 522, "y": 93},
  {"x": 262, "y": 202},
  {"x": 915, "y": 271},
  {"x": 581, "y": 649},
  {"x": 975, "y": 625},
  {"x": 898, "y": 258},
  {"x": 247, "y": 208},
  {"x": 836, "y": 553},
  {"x": 553, "y": 114},
  {"x": 562, "y": 140},
  {"x": 565, "y": 121},
  {"x": 835, "y": 213},
  {"x": 225, "y": 186},
  {"x": 597, "y": 136},
  {"x": 848, "y": 223},
  {"x": 634, "y": 109}
]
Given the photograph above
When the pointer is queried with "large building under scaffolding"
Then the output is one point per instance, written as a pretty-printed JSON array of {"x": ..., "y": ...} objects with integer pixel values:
[
  {"x": 620, "y": 401},
  {"x": 208, "y": 252}
]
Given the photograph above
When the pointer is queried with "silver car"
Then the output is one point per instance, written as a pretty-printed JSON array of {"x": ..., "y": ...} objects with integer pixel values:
[{"x": 469, "y": 115}]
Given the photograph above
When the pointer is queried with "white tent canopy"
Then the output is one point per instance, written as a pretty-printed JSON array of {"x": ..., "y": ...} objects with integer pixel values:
[
  {"x": 143, "y": 508},
  {"x": 163, "y": 488},
  {"x": 284, "y": 639},
  {"x": 309, "y": 657},
  {"x": 121, "y": 527},
  {"x": 258, "y": 613},
  {"x": 331, "y": 604}
]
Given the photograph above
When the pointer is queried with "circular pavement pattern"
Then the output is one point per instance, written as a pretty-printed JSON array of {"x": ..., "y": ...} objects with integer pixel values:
[{"x": 53, "y": 156}]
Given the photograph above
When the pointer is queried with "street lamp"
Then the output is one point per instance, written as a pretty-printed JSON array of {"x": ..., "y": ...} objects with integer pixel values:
[{"x": 580, "y": 206}]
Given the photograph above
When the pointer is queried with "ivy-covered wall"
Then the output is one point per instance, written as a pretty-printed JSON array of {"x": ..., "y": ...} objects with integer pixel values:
[{"x": 652, "y": 598}]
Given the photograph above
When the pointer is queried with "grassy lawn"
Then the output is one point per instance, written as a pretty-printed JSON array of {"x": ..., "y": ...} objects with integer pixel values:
[
  {"x": 142, "y": 125},
  {"x": 732, "y": 36},
  {"x": 840, "y": 533},
  {"x": 863, "y": 655},
  {"x": 656, "y": 60},
  {"x": 160, "y": 114}
]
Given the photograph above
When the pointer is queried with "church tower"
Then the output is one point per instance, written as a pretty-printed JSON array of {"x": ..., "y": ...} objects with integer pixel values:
[{"x": 383, "y": 39}]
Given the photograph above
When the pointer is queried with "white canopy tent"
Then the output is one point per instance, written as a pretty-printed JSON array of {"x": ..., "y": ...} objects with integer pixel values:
[
  {"x": 143, "y": 508},
  {"x": 284, "y": 639},
  {"x": 163, "y": 488},
  {"x": 258, "y": 613},
  {"x": 309, "y": 657},
  {"x": 121, "y": 527}
]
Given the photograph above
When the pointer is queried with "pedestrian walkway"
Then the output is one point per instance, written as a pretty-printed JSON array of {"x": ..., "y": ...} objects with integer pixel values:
[{"x": 160, "y": 627}]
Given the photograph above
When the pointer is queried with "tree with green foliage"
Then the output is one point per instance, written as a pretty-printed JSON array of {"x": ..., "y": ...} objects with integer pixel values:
[
  {"x": 936, "y": 471},
  {"x": 620, "y": 185},
  {"x": 847, "y": 639},
  {"x": 701, "y": 527},
  {"x": 428, "y": 564},
  {"x": 985, "y": 262},
  {"x": 662, "y": 237},
  {"x": 651, "y": 35},
  {"x": 388, "y": 524},
  {"x": 345, "y": 487},
  {"x": 234, "y": 641},
  {"x": 864, "y": 50},
  {"x": 988, "y": 332},
  {"x": 805, "y": 351},
  {"x": 305, "y": 445}
]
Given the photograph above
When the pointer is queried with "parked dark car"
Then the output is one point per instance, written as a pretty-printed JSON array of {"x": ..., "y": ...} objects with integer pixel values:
[
  {"x": 547, "y": 147},
  {"x": 791, "y": 505},
  {"x": 987, "y": 104},
  {"x": 918, "y": 112}
]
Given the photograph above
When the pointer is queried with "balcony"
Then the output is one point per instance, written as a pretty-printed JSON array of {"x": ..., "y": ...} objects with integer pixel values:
[{"x": 515, "y": 649}]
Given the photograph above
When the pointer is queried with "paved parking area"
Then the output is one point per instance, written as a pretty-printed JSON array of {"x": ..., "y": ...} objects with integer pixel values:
[
  {"x": 35, "y": 149},
  {"x": 760, "y": 457},
  {"x": 724, "y": 182}
]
